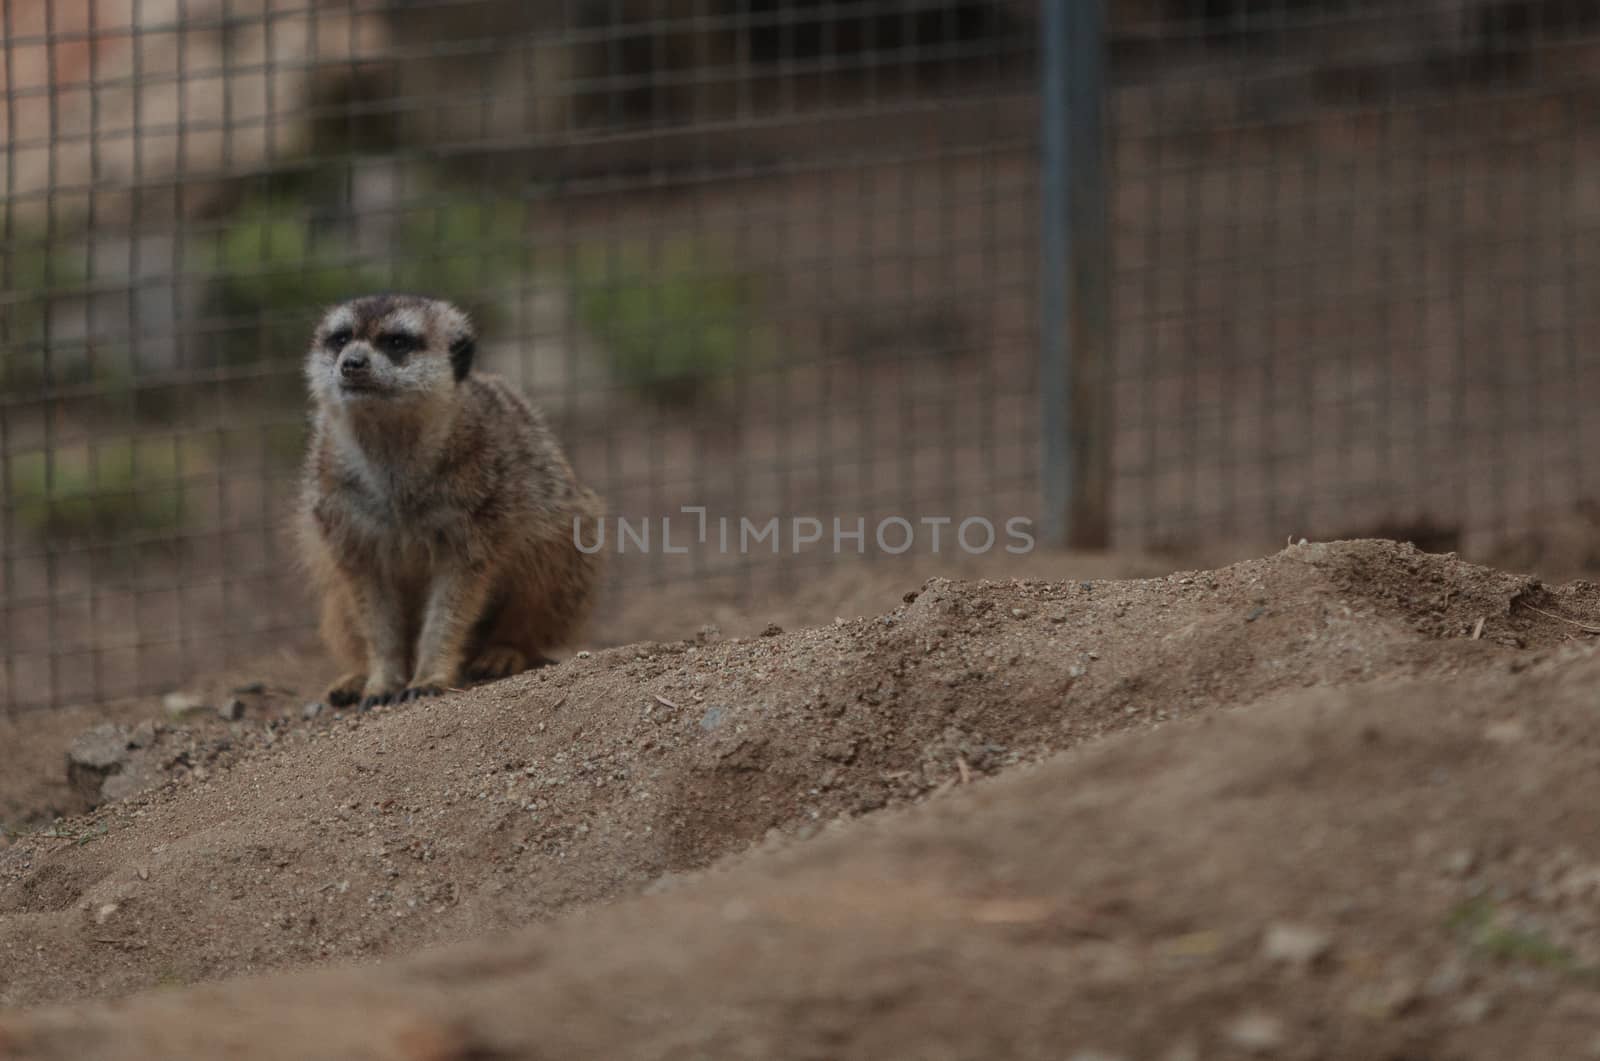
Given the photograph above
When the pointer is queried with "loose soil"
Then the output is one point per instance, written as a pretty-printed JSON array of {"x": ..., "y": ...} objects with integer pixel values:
[{"x": 1335, "y": 802}]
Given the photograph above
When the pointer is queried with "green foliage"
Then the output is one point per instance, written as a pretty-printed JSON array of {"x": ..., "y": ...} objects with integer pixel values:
[
  {"x": 1485, "y": 930},
  {"x": 114, "y": 487},
  {"x": 271, "y": 263},
  {"x": 40, "y": 274},
  {"x": 458, "y": 248},
  {"x": 676, "y": 325},
  {"x": 266, "y": 265}
]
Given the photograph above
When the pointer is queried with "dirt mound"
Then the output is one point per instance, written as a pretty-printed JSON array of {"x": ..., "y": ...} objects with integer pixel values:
[
  {"x": 275, "y": 687},
  {"x": 1398, "y": 871},
  {"x": 635, "y": 767}
]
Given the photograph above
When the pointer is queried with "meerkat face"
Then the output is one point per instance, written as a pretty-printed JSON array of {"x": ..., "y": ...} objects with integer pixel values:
[{"x": 389, "y": 348}]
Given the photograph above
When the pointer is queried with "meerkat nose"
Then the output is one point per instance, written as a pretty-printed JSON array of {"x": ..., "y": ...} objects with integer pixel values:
[{"x": 353, "y": 364}]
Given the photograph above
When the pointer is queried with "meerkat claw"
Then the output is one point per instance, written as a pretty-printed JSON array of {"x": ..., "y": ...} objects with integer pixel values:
[
  {"x": 419, "y": 692},
  {"x": 346, "y": 690}
]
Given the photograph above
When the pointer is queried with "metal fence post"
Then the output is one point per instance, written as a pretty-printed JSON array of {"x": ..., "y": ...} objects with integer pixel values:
[{"x": 1075, "y": 472}]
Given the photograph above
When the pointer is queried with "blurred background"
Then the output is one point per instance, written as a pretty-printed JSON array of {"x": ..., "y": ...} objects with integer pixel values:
[{"x": 1334, "y": 265}]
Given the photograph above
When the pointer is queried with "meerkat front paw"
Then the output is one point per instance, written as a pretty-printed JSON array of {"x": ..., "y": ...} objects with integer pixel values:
[
  {"x": 496, "y": 662},
  {"x": 346, "y": 690},
  {"x": 380, "y": 689}
]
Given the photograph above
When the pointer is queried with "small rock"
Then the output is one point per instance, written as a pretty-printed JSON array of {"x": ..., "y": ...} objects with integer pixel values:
[
  {"x": 179, "y": 705},
  {"x": 311, "y": 710},
  {"x": 104, "y": 746},
  {"x": 1460, "y": 863},
  {"x": 708, "y": 633},
  {"x": 1389, "y": 1000},
  {"x": 1298, "y": 945},
  {"x": 1508, "y": 732},
  {"x": 1254, "y": 613},
  {"x": 1018, "y": 613},
  {"x": 771, "y": 630},
  {"x": 94, "y": 756},
  {"x": 1450, "y": 978},
  {"x": 102, "y": 915},
  {"x": 1472, "y": 1009},
  {"x": 143, "y": 735},
  {"x": 140, "y": 773},
  {"x": 1258, "y": 1033},
  {"x": 232, "y": 711},
  {"x": 711, "y": 719}
]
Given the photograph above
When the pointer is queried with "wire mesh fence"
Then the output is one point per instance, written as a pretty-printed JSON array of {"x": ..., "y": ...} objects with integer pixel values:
[
  {"x": 1354, "y": 287},
  {"x": 778, "y": 258},
  {"x": 762, "y": 258}
]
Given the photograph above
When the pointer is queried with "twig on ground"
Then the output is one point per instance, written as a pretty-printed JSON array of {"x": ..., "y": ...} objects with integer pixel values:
[{"x": 1585, "y": 627}]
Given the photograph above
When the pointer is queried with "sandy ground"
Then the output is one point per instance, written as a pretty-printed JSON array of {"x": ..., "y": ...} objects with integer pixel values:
[
  {"x": 276, "y": 685},
  {"x": 1334, "y": 802}
]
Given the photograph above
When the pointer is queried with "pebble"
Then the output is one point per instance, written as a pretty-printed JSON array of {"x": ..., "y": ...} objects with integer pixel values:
[
  {"x": 311, "y": 710},
  {"x": 1450, "y": 978},
  {"x": 1389, "y": 1000},
  {"x": 1508, "y": 732},
  {"x": 1258, "y": 1033},
  {"x": 1301, "y": 946},
  {"x": 180, "y": 704},
  {"x": 232, "y": 711},
  {"x": 1472, "y": 1009}
]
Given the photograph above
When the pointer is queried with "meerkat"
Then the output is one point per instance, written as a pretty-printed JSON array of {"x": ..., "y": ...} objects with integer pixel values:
[{"x": 439, "y": 519}]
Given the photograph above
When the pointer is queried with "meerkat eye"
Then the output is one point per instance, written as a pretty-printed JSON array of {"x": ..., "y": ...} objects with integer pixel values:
[
  {"x": 339, "y": 340},
  {"x": 398, "y": 343}
]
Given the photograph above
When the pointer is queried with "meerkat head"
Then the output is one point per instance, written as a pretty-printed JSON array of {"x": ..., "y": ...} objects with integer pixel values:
[{"x": 389, "y": 348}]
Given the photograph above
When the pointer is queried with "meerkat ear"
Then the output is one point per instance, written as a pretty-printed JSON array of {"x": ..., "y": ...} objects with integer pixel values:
[{"x": 461, "y": 352}]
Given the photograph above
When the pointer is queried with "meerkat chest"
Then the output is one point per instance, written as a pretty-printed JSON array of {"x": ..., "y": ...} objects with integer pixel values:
[{"x": 398, "y": 504}]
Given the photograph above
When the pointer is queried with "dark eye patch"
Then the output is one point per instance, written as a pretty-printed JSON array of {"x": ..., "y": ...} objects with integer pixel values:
[
  {"x": 399, "y": 344},
  {"x": 339, "y": 340}
]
